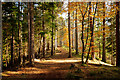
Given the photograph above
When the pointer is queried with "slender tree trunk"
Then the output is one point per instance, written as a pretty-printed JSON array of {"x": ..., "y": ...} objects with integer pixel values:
[
  {"x": 32, "y": 30},
  {"x": 117, "y": 36},
  {"x": 99, "y": 50},
  {"x": 82, "y": 37},
  {"x": 19, "y": 57},
  {"x": 29, "y": 54},
  {"x": 48, "y": 48},
  {"x": 69, "y": 35},
  {"x": 76, "y": 32},
  {"x": 92, "y": 57},
  {"x": 12, "y": 60},
  {"x": 83, "y": 47},
  {"x": 92, "y": 28},
  {"x": 44, "y": 33},
  {"x": 88, "y": 28},
  {"x": 52, "y": 37},
  {"x": 92, "y": 42},
  {"x": 104, "y": 54}
]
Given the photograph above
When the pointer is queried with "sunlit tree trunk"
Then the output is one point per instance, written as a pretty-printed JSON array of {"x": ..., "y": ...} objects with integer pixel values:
[{"x": 104, "y": 54}]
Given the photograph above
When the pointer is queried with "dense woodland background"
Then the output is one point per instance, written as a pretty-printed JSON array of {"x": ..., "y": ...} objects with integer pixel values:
[{"x": 89, "y": 30}]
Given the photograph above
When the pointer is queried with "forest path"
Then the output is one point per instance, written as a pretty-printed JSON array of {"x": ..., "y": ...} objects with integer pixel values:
[{"x": 55, "y": 67}]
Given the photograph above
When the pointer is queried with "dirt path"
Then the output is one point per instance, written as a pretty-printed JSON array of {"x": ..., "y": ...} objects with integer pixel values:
[{"x": 57, "y": 67}]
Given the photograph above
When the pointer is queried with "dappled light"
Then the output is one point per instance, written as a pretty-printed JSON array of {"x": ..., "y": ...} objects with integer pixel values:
[{"x": 60, "y": 40}]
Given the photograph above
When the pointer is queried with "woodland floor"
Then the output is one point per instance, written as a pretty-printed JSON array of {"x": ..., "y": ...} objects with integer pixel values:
[{"x": 61, "y": 67}]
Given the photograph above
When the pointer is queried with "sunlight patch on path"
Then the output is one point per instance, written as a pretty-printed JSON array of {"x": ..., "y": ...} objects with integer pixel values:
[
  {"x": 99, "y": 62},
  {"x": 70, "y": 61},
  {"x": 3, "y": 74},
  {"x": 57, "y": 61},
  {"x": 30, "y": 70}
]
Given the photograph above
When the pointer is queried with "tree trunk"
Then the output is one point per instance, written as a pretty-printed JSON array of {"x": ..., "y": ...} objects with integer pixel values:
[
  {"x": 117, "y": 36},
  {"x": 44, "y": 32},
  {"x": 76, "y": 32},
  {"x": 52, "y": 37},
  {"x": 92, "y": 28},
  {"x": 31, "y": 32},
  {"x": 104, "y": 54},
  {"x": 48, "y": 44},
  {"x": 92, "y": 42},
  {"x": 89, "y": 25},
  {"x": 19, "y": 57},
  {"x": 12, "y": 60},
  {"x": 69, "y": 35},
  {"x": 83, "y": 48}
]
